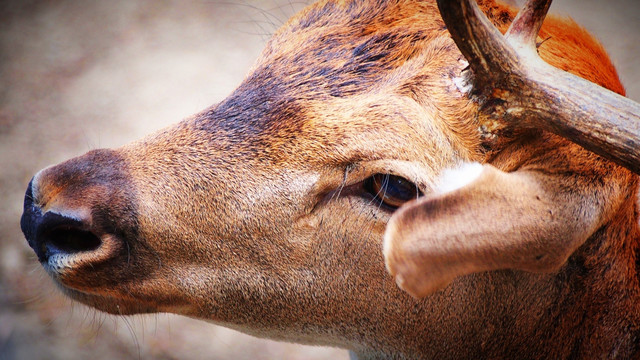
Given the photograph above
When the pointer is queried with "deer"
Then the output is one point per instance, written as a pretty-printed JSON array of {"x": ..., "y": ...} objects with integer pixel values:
[{"x": 391, "y": 178}]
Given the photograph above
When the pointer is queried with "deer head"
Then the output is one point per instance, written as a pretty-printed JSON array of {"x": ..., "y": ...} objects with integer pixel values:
[{"x": 266, "y": 212}]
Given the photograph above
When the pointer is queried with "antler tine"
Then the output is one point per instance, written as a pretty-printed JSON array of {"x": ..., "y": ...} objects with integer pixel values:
[
  {"x": 518, "y": 89},
  {"x": 476, "y": 37},
  {"x": 525, "y": 27}
]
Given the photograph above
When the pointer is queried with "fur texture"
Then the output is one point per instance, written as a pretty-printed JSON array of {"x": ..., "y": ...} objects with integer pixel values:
[{"x": 254, "y": 214}]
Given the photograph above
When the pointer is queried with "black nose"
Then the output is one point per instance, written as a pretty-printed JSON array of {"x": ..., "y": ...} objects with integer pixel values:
[
  {"x": 51, "y": 233},
  {"x": 31, "y": 216}
]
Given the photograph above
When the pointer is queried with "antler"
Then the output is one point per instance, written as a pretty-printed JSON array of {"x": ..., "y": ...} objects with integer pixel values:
[
  {"x": 439, "y": 237},
  {"x": 520, "y": 89}
]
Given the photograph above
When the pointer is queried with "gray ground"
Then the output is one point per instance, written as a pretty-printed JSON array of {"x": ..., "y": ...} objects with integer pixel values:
[{"x": 77, "y": 75}]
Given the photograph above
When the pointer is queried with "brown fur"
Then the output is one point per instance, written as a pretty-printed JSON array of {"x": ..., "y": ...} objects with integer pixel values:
[{"x": 252, "y": 214}]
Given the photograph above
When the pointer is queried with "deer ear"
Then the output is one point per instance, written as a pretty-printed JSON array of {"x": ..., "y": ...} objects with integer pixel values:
[{"x": 520, "y": 220}]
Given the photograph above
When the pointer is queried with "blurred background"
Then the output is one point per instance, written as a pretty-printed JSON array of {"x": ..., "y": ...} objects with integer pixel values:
[{"x": 79, "y": 75}]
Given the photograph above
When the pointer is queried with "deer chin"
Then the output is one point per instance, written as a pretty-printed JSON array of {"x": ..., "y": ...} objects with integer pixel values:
[
  {"x": 91, "y": 280},
  {"x": 123, "y": 300},
  {"x": 115, "y": 305}
]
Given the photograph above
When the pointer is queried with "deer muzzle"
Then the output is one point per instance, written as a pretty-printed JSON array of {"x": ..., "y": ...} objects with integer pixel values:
[
  {"x": 79, "y": 214},
  {"x": 52, "y": 234}
]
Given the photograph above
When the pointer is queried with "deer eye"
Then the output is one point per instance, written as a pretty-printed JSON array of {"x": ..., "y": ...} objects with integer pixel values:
[{"x": 390, "y": 190}]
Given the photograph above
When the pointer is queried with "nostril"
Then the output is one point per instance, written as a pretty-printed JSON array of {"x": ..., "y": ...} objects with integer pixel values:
[
  {"x": 70, "y": 240},
  {"x": 61, "y": 234}
]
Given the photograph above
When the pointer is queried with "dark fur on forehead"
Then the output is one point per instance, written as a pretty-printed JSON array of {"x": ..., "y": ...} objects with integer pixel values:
[
  {"x": 337, "y": 49},
  {"x": 332, "y": 49}
]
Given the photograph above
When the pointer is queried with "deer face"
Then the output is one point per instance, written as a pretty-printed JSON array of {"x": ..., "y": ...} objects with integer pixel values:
[
  {"x": 267, "y": 212},
  {"x": 286, "y": 184}
]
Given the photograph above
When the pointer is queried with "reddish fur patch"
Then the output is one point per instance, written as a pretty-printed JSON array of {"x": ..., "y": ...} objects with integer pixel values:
[
  {"x": 566, "y": 46},
  {"x": 339, "y": 49}
]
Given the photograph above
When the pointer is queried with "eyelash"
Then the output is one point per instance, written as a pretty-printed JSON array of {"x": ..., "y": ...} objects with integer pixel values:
[{"x": 391, "y": 191}]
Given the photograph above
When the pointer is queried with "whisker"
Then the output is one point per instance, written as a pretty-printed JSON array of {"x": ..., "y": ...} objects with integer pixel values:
[{"x": 134, "y": 337}]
